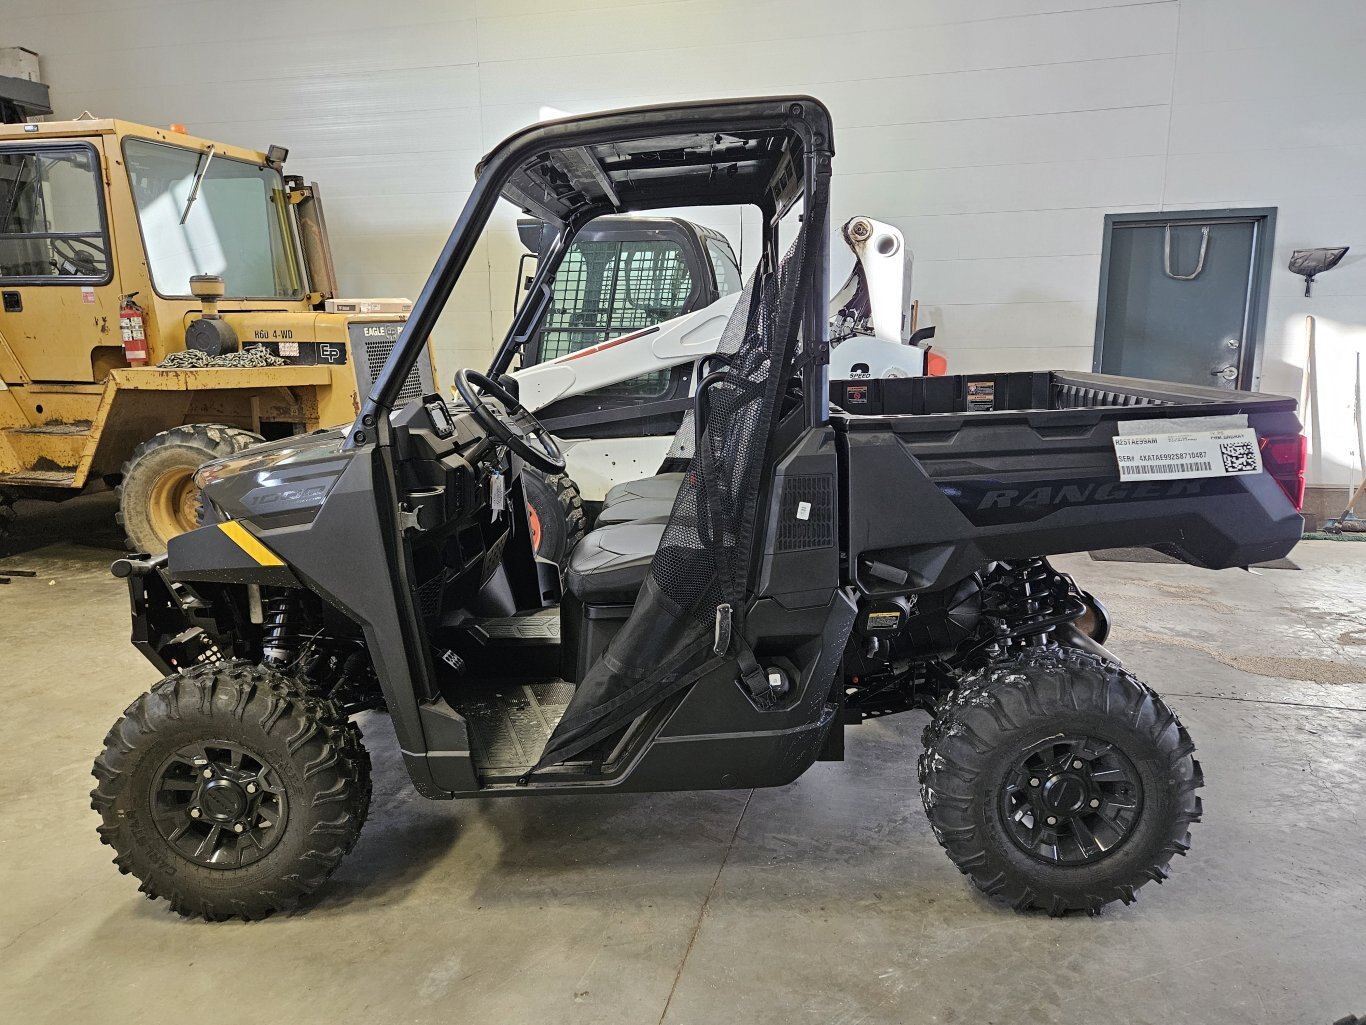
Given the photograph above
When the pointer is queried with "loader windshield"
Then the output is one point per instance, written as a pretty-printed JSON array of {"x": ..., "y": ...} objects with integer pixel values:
[{"x": 237, "y": 226}]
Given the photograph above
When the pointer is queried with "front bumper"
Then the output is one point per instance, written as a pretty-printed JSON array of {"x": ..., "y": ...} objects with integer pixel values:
[{"x": 173, "y": 626}]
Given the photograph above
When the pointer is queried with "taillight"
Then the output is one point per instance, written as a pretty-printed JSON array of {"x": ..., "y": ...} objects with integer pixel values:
[{"x": 1285, "y": 458}]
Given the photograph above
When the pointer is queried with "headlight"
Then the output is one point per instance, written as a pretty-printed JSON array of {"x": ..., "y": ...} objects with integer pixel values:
[{"x": 246, "y": 462}]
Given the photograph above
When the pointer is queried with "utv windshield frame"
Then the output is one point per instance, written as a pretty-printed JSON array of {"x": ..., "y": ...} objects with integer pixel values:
[{"x": 768, "y": 152}]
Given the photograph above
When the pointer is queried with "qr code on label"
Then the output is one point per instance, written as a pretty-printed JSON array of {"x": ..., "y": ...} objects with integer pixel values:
[{"x": 1239, "y": 456}]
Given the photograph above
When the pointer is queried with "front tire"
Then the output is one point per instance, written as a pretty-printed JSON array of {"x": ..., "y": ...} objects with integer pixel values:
[
  {"x": 1056, "y": 780},
  {"x": 230, "y": 791},
  {"x": 157, "y": 495}
]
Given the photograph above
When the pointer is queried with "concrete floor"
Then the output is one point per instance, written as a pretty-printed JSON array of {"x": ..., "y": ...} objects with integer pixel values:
[{"x": 826, "y": 902}]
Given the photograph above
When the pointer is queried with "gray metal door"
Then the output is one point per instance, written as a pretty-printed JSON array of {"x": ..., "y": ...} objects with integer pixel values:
[{"x": 1183, "y": 297}]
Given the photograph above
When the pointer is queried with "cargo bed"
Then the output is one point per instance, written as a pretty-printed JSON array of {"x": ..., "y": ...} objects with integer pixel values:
[{"x": 1011, "y": 465}]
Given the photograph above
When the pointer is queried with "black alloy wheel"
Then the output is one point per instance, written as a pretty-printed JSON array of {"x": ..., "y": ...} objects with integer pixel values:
[
  {"x": 1071, "y": 800},
  {"x": 219, "y": 805}
]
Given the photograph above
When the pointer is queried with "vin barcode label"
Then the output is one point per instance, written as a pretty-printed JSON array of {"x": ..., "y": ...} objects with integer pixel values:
[
  {"x": 1173, "y": 469},
  {"x": 1195, "y": 454}
]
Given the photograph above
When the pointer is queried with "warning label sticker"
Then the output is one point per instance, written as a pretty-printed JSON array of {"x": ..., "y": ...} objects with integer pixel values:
[
  {"x": 1195, "y": 454},
  {"x": 981, "y": 396}
]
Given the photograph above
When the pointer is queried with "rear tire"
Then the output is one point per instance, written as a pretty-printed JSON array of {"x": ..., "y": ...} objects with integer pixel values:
[
  {"x": 1057, "y": 780},
  {"x": 157, "y": 496},
  {"x": 555, "y": 512},
  {"x": 230, "y": 791}
]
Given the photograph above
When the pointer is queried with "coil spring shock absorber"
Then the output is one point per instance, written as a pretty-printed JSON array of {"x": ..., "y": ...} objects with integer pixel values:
[
  {"x": 1033, "y": 601},
  {"x": 1035, "y": 596},
  {"x": 279, "y": 638}
]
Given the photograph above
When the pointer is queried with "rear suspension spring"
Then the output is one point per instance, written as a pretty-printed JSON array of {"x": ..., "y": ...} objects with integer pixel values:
[{"x": 1031, "y": 601}]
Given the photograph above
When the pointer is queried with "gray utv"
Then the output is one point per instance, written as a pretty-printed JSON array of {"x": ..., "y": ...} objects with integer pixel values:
[{"x": 814, "y": 564}]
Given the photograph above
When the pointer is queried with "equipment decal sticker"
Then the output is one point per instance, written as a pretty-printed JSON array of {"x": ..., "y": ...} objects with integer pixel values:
[{"x": 1221, "y": 453}]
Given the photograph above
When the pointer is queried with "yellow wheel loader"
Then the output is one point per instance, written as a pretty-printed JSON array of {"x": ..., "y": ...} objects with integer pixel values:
[{"x": 166, "y": 300}]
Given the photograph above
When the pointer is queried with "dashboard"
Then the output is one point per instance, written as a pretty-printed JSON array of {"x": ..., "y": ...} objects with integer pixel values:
[{"x": 445, "y": 463}]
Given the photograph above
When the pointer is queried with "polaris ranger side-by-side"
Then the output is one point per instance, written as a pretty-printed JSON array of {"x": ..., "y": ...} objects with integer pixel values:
[{"x": 819, "y": 566}]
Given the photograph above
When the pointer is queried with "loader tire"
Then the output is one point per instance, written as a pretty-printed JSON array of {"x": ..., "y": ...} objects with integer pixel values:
[
  {"x": 231, "y": 791},
  {"x": 157, "y": 495},
  {"x": 554, "y": 509},
  {"x": 7, "y": 516},
  {"x": 1056, "y": 780}
]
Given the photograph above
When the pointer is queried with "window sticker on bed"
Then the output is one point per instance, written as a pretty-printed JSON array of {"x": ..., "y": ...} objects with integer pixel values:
[{"x": 1221, "y": 453}]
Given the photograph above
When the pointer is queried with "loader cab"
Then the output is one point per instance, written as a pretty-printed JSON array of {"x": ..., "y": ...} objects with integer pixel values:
[
  {"x": 96, "y": 212},
  {"x": 686, "y": 635}
]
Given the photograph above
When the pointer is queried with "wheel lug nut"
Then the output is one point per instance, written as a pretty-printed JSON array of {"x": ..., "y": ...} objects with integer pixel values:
[
  {"x": 208, "y": 774},
  {"x": 251, "y": 788},
  {"x": 238, "y": 828},
  {"x": 1077, "y": 764},
  {"x": 1095, "y": 802},
  {"x": 194, "y": 813},
  {"x": 1052, "y": 820},
  {"x": 1034, "y": 782}
]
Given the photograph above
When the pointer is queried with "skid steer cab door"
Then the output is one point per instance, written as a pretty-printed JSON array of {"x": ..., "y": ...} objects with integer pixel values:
[{"x": 723, "y": 673}]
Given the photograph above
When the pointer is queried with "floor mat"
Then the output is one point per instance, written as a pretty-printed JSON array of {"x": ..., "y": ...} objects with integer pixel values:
[
  {"x": 1148, "y": 555},
  {"x": 509, "y": 726}
]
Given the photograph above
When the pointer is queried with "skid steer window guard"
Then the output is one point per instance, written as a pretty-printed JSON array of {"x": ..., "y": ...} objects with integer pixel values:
[
  {"x": 47, "y": 218},
  {"x": 606, "y": 289}
]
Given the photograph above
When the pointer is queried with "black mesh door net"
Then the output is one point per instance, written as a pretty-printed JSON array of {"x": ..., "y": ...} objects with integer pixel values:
[{"x": 688, "y": 618}]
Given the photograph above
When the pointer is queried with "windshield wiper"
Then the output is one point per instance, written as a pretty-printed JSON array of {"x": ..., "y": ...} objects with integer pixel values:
[
  {"x": 199, "y": 171},
  {"x": 18, "y": 187}
]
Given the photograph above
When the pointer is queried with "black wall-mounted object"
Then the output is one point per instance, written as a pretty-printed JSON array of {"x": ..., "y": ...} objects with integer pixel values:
[{"x": 1309, "y": 263}]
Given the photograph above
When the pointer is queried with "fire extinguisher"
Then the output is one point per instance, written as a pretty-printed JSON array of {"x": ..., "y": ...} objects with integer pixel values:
[{"x": 133, "y": 328}]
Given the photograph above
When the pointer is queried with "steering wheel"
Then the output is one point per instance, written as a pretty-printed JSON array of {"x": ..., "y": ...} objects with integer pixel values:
[
  {"x": 524, "y": 428},
  {"x": 69, "y": 251}
]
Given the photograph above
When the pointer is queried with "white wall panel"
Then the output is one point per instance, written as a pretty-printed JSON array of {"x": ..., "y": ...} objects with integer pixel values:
[
  {"x": 1125, "y": 181},
  {"x": 988, "y": 328},
  {"x": 1013, "y": 233},
  {"x": 1029, "y": 279},
  {"x": 996, "y": 134}
]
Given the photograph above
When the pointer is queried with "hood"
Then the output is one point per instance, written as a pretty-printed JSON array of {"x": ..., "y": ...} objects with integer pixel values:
[{"x": 278, "y": 483}]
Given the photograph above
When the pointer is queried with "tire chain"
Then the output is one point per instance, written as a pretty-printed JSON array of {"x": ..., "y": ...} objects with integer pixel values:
[{"x": 255, "y": 358}]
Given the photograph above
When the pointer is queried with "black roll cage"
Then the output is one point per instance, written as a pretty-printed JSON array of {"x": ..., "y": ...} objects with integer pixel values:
[{"x": 570, "y": 171}]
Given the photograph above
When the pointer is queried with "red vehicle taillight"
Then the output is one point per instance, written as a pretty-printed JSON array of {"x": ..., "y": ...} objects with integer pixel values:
[{"x": 1285, "y": 458}]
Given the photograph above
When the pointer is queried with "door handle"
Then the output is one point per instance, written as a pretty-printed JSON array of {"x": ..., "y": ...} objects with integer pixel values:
[{"x": 1229, "y": 373}]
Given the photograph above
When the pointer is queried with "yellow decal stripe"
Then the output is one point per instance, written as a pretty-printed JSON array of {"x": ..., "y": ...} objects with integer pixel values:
[{"x": 249, "y": 544}]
